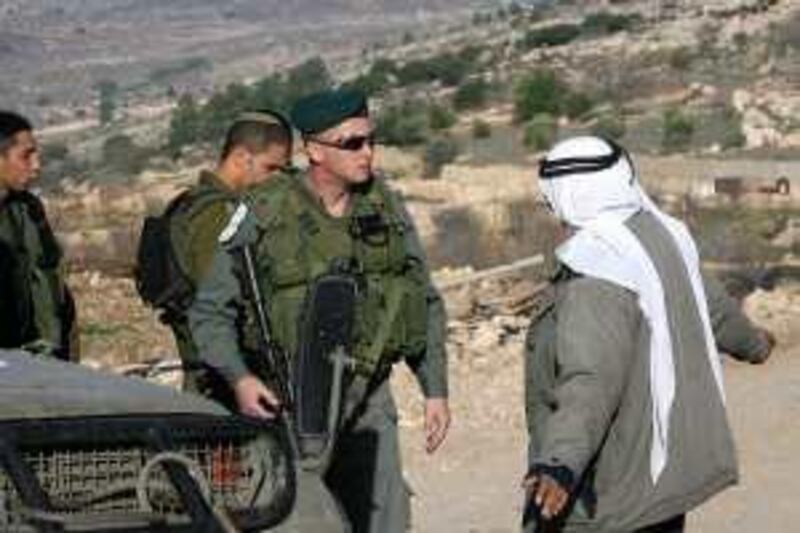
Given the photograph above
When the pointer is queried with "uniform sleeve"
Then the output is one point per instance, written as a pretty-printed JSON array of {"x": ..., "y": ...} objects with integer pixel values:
[
  {"x": 597, "y": 332},
  {"x": 201, "y": 239},
  {"x": 430, "y": 369},
  {"x": 733, "y": 331},
  {"x": 213, "y": 315}
]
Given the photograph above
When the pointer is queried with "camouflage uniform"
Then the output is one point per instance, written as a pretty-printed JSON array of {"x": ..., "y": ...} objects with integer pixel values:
[{"x": 296, "y": 241}]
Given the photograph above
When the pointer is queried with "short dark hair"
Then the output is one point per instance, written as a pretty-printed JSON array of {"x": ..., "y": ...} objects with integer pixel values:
[
  {"x": 10, "y": 124},
  {"x": 255, "y": 130}
]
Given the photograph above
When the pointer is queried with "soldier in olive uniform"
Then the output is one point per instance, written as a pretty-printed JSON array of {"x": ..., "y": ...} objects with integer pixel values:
[
  {"x": 626, "y": 411},
  {"x": 258, "y": 144},
  {"x": 339, "y": 215},
  {"x": 36, "y": 309}
]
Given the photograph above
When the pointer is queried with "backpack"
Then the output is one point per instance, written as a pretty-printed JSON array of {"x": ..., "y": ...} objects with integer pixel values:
[{"x": 160, "y": 280}]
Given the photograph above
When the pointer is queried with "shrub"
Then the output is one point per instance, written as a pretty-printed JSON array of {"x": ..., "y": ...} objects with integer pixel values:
[
  {"x": 605, "y": 23},
  {"x": 122, "y": 155},
  {"x": 577, "y": 104},
  {"x": 402, "y": 125},
  {"x": 481, "y": 129},
  {"x": 438, "y": 153},
  {"x": 610, "y": 125},
  {"x": 540, "y": 132},
  {"x": 538, "y": 92},
  {"x": 472, "y": 94},
  {"x": 440, "y": 117},
  {"x": 678, "y": 131},
  {"x": 555, "y": 35}
]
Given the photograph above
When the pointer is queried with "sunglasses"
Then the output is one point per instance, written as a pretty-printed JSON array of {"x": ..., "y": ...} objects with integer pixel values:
[{"x": 348, "y": 144}]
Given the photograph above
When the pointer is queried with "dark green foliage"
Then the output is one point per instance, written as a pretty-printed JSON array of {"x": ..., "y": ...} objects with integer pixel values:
[
  {"x": 610, "y": 125},
  {"x": 605, "y": 23},
  {"x": 108, "y": 91},
  {"x": 538, "y": 92},
  {"x": 440, "y": 117},
  {"x": 472, "y": 94},
  {"x": 120, "y": 154},
  {"x": 678, "y": 131},
  {"x": 306, "y": 78},
  {"x": 402, "y": 125},
  {"x": 577, "y": 105},
  {"x": 377, "y": 79},
  {"x": 554, "y": 35},
  {"x": 438, "y": 153},
  {"x": 449, "y": 69},
  {"x": 184, "y": 127},
  {"x": 540, "y": 132}
]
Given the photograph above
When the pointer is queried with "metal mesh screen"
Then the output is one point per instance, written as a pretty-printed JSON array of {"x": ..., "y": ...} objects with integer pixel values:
[{"x": 240, "y": 474}]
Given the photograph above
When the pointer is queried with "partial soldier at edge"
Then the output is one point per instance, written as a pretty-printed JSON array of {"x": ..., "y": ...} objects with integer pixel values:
[{"x": 37, "y": 311}]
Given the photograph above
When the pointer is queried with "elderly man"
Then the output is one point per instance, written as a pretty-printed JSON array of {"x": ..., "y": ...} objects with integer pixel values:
[
  {"x": 337, "y": 219},
  {"x": 624, "y": 393},
  {"x": 36, "y": 309}
]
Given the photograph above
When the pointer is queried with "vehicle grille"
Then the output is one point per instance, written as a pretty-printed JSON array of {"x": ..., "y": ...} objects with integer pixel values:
[{"x": 245, "y": 471}]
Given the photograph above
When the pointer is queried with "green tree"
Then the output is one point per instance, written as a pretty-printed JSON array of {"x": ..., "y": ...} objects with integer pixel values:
[
  {"x": 538, "y": 92},
  {"x": 402, "y": 125},
  {"x": 306, "y": 78},
  {"x": 577, "y": 104},
  {"x": 540, "y": 131},
  {"x": 184, "y": 124},
  {"x": 678, "y": 131},
  {"x": 121, "y": 154},
  {"x": 438, "y": 153},
  {"x": 440, "y": 117},
  {"x": 472, "y": 94},
  {"x": 610, "y": 125},
  {"x": 108, "y": 91}
]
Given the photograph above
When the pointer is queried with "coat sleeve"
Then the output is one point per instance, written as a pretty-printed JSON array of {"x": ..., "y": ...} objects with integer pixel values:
[
  {"x": 431, "y": 368},
  {"x": 215, "y": 311},
  {"x": 733, "y": 331},
  {"x": 597, "y": 334}
]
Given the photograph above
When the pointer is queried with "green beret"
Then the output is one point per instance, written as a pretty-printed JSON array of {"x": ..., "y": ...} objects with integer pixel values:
[{"x": 323, "y": 110}]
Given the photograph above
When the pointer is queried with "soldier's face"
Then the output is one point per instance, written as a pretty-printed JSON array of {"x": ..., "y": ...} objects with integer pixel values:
[
  {"x": 20, "y": 164},
  {"x": 347, "y": 151},
  {"x": 266, "y": 162}
]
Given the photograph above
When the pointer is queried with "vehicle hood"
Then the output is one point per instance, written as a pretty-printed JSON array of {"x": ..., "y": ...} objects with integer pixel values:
[{"x": 37, "y": 388}]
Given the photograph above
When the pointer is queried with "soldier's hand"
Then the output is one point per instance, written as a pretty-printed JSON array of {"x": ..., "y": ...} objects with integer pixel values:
[
  {"x": 255, "y": 399},
  {"x": 437, "y": 422},
  {"x": 547, "y": 494}
]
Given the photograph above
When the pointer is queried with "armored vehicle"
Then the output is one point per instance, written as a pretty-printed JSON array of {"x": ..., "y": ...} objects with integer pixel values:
[{"x": 85, "y": 451}]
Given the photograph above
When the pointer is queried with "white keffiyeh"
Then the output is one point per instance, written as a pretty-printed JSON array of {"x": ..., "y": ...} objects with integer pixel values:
[{"x": 597, "y": 203}]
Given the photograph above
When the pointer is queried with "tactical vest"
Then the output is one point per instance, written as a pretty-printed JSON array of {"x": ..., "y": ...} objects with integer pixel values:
[{"x": 301, "y": 242}]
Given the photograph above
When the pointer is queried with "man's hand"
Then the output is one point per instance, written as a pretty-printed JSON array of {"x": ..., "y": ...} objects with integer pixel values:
[
  {"x": 769, "y": 341},
  {"x": 437, "y": 422},
  {"x": 255, "y": 399},
  {"x": 547, "y": 494}
]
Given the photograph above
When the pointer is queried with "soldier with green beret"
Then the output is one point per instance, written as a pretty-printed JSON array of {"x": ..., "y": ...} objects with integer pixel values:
[
  {"x": 36, "y": 308},
  {"x": 338, "y": 215}
]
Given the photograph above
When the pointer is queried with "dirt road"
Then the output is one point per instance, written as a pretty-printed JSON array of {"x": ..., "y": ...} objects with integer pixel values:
[{"x": 472, "y": 485}]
